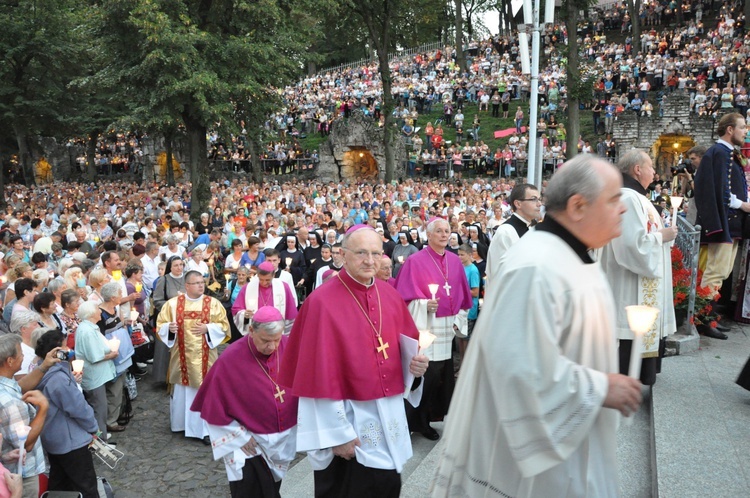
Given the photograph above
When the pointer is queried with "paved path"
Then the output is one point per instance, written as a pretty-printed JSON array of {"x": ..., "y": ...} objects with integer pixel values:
[{"x": 702, "y": 431}]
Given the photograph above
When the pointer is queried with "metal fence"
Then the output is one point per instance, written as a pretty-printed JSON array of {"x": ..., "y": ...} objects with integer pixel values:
[
  {"x": 688, "y": 240},
  {"x": 427, "y": 47}
]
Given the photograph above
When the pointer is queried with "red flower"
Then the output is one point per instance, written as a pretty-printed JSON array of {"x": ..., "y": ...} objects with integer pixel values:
[{"x": 713, "y": 324}]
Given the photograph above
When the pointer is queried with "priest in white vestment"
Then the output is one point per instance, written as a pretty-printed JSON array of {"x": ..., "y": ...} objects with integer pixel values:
[
  {"x": 192, "y": 325},
  {"x": 638, "y": 265},
  {"x": 526, "y": 202},
  {"x": 535, "y": 409},
  {"x": 264, "y": 290}
]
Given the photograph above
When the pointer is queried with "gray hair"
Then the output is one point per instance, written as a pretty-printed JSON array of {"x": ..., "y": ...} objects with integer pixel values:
[
  {"x": 55, "y": 285},
  {"x": 87, "y": 310},
  {"x": 172, "y": 239},
  {"x": 37, "y": 333},
  {"x": 8, "y": 346},
  {"x": 270, "y": 328},
  {"x": 22, "y": 318},
  {"x": 110, "y": 290},
  {"x": 576, "y": 176},
  {"x": 630, "y": 159},
  {"x": 433, "y": 224}
]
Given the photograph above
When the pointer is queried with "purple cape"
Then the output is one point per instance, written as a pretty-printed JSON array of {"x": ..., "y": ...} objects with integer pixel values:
[
  {"x": 421, "y": 269},
  {"x": 237, "y": 389}
]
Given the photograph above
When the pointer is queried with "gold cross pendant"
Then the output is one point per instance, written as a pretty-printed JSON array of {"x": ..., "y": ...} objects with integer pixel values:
[
  {"x": 279, "y": 394},
  {"x": 383, "y": 347}
]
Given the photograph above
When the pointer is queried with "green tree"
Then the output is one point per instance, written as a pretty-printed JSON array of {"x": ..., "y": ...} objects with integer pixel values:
[
  {"x": 205, "y": 60},
  {"x": 578, "y": 90},
  {"x": 38, "y": 42}
]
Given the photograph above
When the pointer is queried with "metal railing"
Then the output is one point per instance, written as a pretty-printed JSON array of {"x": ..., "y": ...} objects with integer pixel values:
[
  {"x": 427, "y": 47},
  {"x": 688, "y": 241}
]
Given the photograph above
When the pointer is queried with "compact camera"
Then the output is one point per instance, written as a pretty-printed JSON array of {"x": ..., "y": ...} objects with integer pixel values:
[{"x": 66, "y": 355}]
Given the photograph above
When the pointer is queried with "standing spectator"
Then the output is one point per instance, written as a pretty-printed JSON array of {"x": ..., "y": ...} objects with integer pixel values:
[
  {"x": 69, "y": 426},
  {"x": 29, "y": 409}
]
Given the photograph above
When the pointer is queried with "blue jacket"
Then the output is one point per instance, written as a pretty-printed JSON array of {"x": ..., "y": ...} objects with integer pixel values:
[
  {"x": 70, "y": 419},
  {"x": 718, "y": 177}
]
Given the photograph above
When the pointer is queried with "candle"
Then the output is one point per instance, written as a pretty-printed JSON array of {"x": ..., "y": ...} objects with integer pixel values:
[
  {"x": 77, "y": 366},
  {"x": 640, "y": 320},
  {"x": 433, "y": 290},
  {"x": 22, "y": 431},
  {"x": 426, "y": 338},
  {"x": 116, "y": 275},
  {"x": 676, "y": 203},
  {"x": 114, "y": 344},
  {"x": 401, "y": 259},
  {"x": 138, "y": 287},
  {"x": 288, "y": 262},
  {"x": 134, "y": 315}
]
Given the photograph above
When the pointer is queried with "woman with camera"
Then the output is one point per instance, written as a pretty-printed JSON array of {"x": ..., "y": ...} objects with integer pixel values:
[{"x": 69, "y": 427}]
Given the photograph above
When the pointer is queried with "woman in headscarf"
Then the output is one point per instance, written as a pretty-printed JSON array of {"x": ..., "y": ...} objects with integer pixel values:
[
  {"x": 454, "y": 242},
  {"x": 331, "y": 237},
  {"x": 403, "y": 250},
  {"x": 292, "y": 258},
  {"x": 168, "y": 286},
  {"x": 312, "y": 257}
]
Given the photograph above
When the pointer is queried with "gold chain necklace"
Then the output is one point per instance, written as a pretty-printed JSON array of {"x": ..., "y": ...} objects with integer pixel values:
[
  {"x": 382, "y": 347},
  {"x": 279, "y": 394}
]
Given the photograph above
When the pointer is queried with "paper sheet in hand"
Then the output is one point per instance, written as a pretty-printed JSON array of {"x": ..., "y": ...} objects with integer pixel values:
[{"x": 409, "y": 349}]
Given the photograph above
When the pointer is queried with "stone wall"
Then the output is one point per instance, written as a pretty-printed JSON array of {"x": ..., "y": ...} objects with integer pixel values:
[
  {"x": 355, "y": 133},
  {"x": 642, "y": 132}
]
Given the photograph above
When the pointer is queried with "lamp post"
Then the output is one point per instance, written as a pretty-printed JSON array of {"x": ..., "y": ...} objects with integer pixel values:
[{"x": 531, "y": 18}]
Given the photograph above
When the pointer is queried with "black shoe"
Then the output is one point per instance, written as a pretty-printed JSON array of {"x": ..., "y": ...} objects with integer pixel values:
[
  {"x": 722, "y": 328},
  {"x": 207, "y": 441},
  {"x": 430, "y": 434},
  {"x": 711, "y": 332}
]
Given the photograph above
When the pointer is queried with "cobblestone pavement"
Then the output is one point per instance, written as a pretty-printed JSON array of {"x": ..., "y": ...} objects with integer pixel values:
[{"x": 158, "y": 462}]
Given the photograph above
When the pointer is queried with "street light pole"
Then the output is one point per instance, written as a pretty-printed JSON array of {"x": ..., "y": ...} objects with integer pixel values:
[{"x": 531, "y": 18}]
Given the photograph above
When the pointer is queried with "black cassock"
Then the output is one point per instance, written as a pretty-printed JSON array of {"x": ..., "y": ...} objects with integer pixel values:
[{"x": 744, "y": 379}]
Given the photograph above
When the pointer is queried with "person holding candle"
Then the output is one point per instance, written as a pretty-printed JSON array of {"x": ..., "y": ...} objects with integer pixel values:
[
  {"x": 350, "y": 385},
  {"x": 22, "y": 416},
  {"x": 262, "y": 422},
  {"x": 192, "y": 326},
  {"x": 441, "y": 312},
  {"x": 540, "y": 379},
  {"x": 292, "y": 258},
  {"x": 98, "y": 367},
  {"x": 69, "y": 427},
  {"x": 638, "y": 265},
  {"x": 403, "y": 250}
]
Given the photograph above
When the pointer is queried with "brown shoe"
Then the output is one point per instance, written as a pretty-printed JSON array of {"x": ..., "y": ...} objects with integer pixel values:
[{"x": 115, "y": 428}]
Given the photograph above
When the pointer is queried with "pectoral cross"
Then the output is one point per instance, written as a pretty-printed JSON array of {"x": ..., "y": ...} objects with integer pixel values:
[
  {"x": 279, "y": 394},
  {"x": 383, "y": 347},
  {"x": 447, "y": 288}
]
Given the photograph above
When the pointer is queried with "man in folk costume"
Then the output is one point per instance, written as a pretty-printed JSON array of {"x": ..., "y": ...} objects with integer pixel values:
[
  {"x": 526, "y": 202},
  {"x": 345, "y": 363},
  {"x": 442, "y": 316},
  {"x": 535, "y": 408},
  {"x": 248, "y": 414},
  {"x": 638, "y": 265},
  {"x": 263, "y": 290},
  {"x": 721, "y": 199},
  {"x": 192, "y": 325}
]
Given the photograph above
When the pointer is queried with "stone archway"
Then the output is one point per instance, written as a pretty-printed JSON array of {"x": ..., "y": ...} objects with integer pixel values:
[
  {"x": 358, "y": 162},
  {"x": 668, "y": 150}
]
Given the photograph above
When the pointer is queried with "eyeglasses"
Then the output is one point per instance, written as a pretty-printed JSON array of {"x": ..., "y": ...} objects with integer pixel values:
[
  {"x": 365, "y": 254},
  {"x": 532, "y": 199}
]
